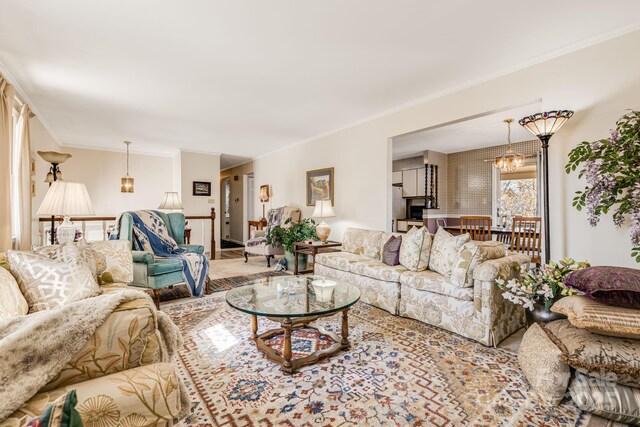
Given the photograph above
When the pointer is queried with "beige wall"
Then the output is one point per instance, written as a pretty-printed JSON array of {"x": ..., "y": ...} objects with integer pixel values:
[
  {"x": 599, "y": 82},
  {"x": 236, "y": 214}
]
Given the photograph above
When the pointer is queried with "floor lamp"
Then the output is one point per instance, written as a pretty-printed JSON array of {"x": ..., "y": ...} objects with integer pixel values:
[
  {"x": 544, "y": 125},
  {"x": 55, "y": 174}
]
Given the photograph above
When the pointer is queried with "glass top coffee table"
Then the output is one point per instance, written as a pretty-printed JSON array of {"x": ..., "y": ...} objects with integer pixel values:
[{"x": 295, "y": 302}]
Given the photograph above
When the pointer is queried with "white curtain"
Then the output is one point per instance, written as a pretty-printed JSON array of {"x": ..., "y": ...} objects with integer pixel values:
[
  {"x": 6, "y": 130},
  {"x": 22, "y": 181}
]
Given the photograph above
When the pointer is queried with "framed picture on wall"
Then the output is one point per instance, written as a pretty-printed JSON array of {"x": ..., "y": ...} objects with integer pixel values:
[
  {"x": 319, "y": 185},
  {"x": 201, "y": 188}
]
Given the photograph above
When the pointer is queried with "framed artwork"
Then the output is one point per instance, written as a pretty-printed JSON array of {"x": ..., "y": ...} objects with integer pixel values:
[
  {"x": 201, "y": 188},
  {"x": 319, "y": 185}
]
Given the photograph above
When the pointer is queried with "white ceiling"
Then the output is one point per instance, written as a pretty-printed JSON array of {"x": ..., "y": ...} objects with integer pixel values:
[
  {"x": 247, "y": 77},
  {"x": 488, "y": 130}
]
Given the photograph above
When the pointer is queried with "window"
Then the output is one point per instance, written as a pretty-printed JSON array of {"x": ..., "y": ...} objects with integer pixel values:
[
  {"x": 15, "y": 180},
  {"x": 517, "y": 193}
]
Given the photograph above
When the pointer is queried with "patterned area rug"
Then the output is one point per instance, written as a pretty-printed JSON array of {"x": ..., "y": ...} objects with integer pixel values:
[
  {"x": 217, "y": 285},
  {"x": 398, "y": 372}
]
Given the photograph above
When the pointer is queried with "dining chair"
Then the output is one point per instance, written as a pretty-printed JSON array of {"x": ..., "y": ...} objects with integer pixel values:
[
  {"x": 478, "y": 227},
  {"x": 504, "y": 238},
  {"x": 441, "y": 222},
  {"x": 526, "y": 237}
]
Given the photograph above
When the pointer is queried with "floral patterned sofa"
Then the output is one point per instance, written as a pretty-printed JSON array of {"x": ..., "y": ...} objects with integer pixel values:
[
  {"x": 123, "y": 376},
  {"x": 477, "y": 310}
]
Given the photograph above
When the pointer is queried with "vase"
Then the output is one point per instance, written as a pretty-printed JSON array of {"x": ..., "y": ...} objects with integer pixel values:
[
  {"x": 540, "y": 313},
  {"x": 302, "y": 261}
]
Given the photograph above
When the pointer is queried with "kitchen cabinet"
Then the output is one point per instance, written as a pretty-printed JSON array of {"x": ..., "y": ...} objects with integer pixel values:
[
  {"x": 410, "y": 183},
  {"x": 403, "y": 225},
  {"x": 421, "y": 182},
  {"x": 396, "y": 178}
]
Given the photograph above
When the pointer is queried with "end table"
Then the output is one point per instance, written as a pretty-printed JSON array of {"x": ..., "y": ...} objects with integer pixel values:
[{"x": 313, "y": 249}]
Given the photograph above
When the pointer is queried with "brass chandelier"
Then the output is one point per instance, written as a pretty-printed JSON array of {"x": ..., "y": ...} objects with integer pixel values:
[{"x": 510, "y": 161}]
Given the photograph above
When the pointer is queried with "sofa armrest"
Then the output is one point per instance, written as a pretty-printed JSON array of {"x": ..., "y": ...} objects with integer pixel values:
[
  {"x": 143, "y": 257},
  {"x": 199, "y": 249},
  {"x": 506, "y": 267},
  {"x": 127, "y": 339}
]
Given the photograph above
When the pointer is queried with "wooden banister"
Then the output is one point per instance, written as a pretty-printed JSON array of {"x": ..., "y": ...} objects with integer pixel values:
[{"x": 211, "y": 216}]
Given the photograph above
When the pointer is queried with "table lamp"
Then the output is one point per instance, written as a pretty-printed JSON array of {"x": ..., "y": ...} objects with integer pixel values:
[
  {"x": 171, "y": 202},
  {"x": 323, "y": 210},
  {"x": 66, "y": 199},
  {"x": 264, "y": 198}
]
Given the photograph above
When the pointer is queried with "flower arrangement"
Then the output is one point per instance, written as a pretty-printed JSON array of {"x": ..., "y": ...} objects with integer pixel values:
[
  {"x": 612, "y": 170},
  {"x": 545, "y": 283}
]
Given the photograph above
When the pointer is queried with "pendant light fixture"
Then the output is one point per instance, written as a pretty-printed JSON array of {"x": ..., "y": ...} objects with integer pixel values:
[
  {"x": 509, "y": 161},
  {"x": 126, "y": 183}
]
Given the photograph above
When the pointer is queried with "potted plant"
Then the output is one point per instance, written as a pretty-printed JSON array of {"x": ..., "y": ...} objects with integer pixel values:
[
  {"x": 539, "y": 289},
  {"x": 288, "y": 234},
  {"x": 611, "y": 167}
]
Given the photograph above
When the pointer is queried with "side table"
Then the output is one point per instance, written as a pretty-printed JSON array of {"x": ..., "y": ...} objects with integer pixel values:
[{"x": 313, "y": 249}]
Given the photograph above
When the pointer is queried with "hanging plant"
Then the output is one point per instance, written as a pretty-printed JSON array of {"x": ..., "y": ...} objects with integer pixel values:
[{"x": 611, "y": 168}]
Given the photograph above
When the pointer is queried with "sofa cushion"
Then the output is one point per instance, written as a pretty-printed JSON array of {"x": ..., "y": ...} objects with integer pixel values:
[
  {"x": 470, "y": 256},
  {"x": 164, "y": 266},
  {"x": 616, "y": 286},
  {"x": 49, "y": 283},
  {"x": 371, "y": 243},
  {"x": 606, "y": 399},
  {"x": 361, "y": 241},
  {"x": 541, "y": 361},
  {"x": 431, "y": 281},
  {"x": 600, "y": 318},
  {"x": 599, "y": 356},
  {"x": 415, "y": 249},
  {"x": 444, "y": 251},
  {"x": 391, "y": 251},
  {"x": 114, "y": 261},
  {"x": 377, "y": 270},
  {"x": 12, "y": 302},
  {"x": 340, "y": 260}
]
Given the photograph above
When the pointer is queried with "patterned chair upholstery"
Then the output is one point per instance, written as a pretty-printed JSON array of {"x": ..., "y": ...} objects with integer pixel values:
[
  {"x": 157, "y": 273},
  {"x": 257, "y": 244}
]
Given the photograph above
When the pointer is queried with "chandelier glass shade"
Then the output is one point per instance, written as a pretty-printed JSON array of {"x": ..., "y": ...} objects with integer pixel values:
[
  {"x": 126, "y": 182},
  {"x": 510, "y": 161}
]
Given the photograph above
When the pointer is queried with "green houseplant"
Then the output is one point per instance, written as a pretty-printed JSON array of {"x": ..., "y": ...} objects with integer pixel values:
[
  {"x": 539, "y": 289},
  {"x": 290, "y": 233},
  {"x": 611, "y": 168}
]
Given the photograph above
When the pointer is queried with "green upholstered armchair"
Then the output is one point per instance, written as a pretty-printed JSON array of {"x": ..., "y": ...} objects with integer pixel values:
[{"x": 157, "y": 273}]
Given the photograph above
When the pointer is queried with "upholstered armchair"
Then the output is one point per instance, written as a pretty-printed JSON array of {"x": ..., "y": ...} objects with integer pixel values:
[
  {"x": 157, "y": 273},
  {"x": 257, "y": 244}
]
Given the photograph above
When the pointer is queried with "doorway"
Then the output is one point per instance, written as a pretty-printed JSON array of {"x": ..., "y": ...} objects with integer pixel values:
[{"x": 249, "y": 208}]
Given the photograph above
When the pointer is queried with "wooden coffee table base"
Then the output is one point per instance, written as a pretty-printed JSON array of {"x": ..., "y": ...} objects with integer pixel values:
[{"x": 287, "y": 363}]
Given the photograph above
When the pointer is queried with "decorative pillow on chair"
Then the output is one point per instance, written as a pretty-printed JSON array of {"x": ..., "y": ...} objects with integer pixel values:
[
  {"x": 599, "y": 318},
  {"x": 470, "y": 256},
  {"x": 49, "y": 283},
  {"x": 415, "y": 249},
  {"x": 617, "y": 286},
  {"x": 12, "y": 303},
  {"x": 114, "y": 261},
  {"x": 61, "y": 413},
  {"x": 444, "y": 253},
  {"x": 391, "y": 251}
]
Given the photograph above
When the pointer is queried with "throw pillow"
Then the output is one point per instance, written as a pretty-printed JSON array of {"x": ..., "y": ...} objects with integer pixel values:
[
  {"x": 599, "y": 318},
  {"x": 599, "y": 356},
  {"x": 49, "y": 283},
  {"x": 444, "y": 253},
  {"x": 542, "y": 364},
  {"x": 371, "y": 242},
  {"x": 61, "y": 413},
  {"x": 616, "y": 286},
  {"x": 415, "y": 249},
  {"x": 606, "y": 399},
  {"x": 12, "y": 303},
  {"x": 65, "y": 253},
  {"x": 114, "y": 261},
  {"x": 391, "y": 251},
  {"x": 470, "y": 256}
]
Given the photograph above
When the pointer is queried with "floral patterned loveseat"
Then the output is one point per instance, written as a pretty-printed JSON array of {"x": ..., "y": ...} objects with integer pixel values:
[
  {"x": 476, "y": 310},
  {"x": 123, "y": 376}
]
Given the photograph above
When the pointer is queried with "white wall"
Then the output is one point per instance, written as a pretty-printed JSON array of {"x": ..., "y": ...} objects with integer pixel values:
[
  {"x": 599, "y": 82},
  {"x": 201, "y": 167}
]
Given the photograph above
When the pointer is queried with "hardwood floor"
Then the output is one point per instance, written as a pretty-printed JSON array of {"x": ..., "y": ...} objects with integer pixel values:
[{"x": 231, "y": 253}]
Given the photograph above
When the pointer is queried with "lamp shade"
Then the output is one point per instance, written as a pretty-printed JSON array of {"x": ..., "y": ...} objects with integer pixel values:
[
  {"x": 546, "y": 124},
  {"x": 171, "y": 201},
  {"x": 66, "y": 199},
  {"x": 323, "y": 209}
]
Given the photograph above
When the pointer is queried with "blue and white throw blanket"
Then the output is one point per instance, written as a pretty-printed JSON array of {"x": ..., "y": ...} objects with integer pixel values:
[{"x": 150, "y": 234}]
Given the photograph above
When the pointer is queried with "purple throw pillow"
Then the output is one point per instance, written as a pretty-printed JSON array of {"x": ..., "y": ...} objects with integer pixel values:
[
  {"x": 616, "y": 286},
  {"x": 391, "y": 251}
]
